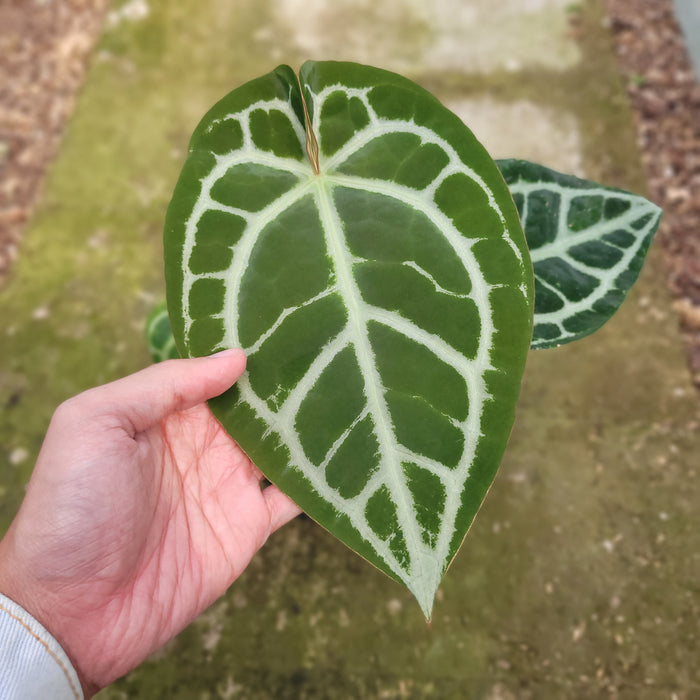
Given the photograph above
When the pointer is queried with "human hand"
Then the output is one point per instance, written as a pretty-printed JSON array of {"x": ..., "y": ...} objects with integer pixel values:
[{"x": 141, "y": 511}]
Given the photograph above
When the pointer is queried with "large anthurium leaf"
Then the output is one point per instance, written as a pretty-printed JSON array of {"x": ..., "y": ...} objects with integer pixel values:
[
  {"x": 382, "y": 289},
  {"x": 587, "y": 243}
]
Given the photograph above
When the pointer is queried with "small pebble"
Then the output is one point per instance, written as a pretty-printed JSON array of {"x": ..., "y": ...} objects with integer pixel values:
[{"x": 18, "y": 455}]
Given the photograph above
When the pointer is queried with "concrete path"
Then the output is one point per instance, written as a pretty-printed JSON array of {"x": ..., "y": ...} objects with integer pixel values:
[
  {"x": 688, "y": 12},
  {"x": 580, "y": 576}
]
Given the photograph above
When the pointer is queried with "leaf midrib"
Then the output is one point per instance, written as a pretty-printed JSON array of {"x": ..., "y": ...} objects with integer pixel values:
[
  {"x": 423, "y": 200},
  {"x": 384, "y": 430}
]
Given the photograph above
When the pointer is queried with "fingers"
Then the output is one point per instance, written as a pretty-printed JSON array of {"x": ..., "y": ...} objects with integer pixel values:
[
  {"x": 281, "y": 508},
  {"x": 146, "y": 397}
]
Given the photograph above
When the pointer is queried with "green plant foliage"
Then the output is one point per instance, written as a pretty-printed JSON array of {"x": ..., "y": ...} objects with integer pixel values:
[
  {"x": 587, "y": 242},
  {"x": 159, "y": 337},
  {"x": 364, "y": 250}
]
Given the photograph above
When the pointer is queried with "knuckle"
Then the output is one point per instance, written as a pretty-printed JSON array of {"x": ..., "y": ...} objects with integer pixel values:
[{"x": 75, "y": 409}]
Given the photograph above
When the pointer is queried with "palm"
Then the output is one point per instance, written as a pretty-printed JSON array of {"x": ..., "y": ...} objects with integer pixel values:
[
  {"x": 141, "y": 511},
  {"x": 198, "y": 518}
]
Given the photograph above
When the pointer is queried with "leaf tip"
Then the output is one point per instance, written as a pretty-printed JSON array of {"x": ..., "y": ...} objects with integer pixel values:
[{"x": 425, "y": 585}]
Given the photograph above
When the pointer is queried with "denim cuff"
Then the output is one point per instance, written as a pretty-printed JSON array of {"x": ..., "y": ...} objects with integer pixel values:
[{"x": 33, "y": 666}]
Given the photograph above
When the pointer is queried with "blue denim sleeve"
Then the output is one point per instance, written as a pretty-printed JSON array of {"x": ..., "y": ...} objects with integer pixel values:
[{"x": 32, "y": 664}]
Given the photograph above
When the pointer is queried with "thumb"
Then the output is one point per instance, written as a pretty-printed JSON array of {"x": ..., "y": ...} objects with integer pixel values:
[{"x": 146, "y": 397}]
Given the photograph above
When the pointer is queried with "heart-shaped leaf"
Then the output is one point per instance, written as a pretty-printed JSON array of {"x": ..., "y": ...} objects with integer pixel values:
[
  {"x": 587, "y": 242},
  {"x": 364, "y": 250}
]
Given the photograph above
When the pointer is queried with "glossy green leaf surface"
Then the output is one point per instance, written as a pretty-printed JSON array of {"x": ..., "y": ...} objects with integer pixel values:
[
  {"x": 383, "y": 295},
  {"x": 587, "y": 243}
]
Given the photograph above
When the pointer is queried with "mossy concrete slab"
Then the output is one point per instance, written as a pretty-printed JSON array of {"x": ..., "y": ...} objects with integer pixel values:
[
  {"x": 580, "y": 575},
  {"x": 552, "y": 139},
  {"x": 414, "y": 37}
]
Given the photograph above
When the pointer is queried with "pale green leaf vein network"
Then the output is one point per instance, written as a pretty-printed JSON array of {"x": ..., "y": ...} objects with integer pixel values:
[
  {"x": 338, "y": 443},
  {"x": 378, "y": 127},
  {"x": 283, "y": 422},
  {"x": 286, "y": 312},
  {"x": 473, "y": 370},
  {"x": 289, "y": 409},
  {"x": 247, "y": 154},
  {"x": 564, "y": 239},
  {"x": 286, "y": 429},
  {"x": 436, "y": 285},
  {"x": 426, "y": 563},
  {"x": 374, "y": 391}
]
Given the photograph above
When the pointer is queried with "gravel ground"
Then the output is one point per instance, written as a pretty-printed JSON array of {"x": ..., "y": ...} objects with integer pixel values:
[
  {"x": 45, "y": 45},
  {"x": 666, "y": 100}
]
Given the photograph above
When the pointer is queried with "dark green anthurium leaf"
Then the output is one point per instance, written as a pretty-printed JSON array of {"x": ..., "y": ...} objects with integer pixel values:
[
  {"x": 364, "y": 250},
  {"x": 159, "y": 337},
  {"x": 587, "y": 243}
]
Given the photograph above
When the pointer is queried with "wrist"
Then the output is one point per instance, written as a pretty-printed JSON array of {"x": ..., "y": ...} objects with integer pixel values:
[
  {"x": 33, "y": 662},
  {"x": 18, "y": 589}
]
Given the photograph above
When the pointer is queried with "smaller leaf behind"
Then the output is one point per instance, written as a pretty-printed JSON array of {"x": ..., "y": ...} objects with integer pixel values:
[
  {"x": 587, "y": 242},
  {"x": 159, "y": 336}
]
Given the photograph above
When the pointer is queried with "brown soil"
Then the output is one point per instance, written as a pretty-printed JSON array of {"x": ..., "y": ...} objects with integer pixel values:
[
  {"x": 666, "y": 100},
  {"x": 44, "y": 46}
]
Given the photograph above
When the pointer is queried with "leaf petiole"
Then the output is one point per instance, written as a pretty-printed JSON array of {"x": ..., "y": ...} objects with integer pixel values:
[{"x": 311, "y": 142}]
